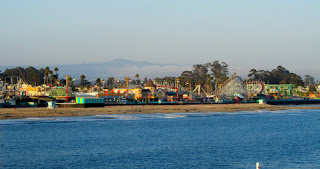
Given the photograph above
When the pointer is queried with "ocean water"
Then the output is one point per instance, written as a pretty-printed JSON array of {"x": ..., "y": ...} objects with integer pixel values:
[{"x": 275, "y": 139}]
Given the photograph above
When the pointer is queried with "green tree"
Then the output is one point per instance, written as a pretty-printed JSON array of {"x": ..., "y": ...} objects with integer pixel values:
[
  {"x": 187, "y": 78},
  {"x": 98, "y": 82},
  {"x": 26, "y": 74},
  {"x": 82, "y": 77},
  {"x": 312, "y": 89},
  {"x": 35, "y": 77},
  {"x": 56, "y": 70},
  {"x": 219, "y": 71},
  {"x": 280, "y": 75},
  {"x": 209, "y": 83},
  {"x": 88, "y": 86},
  {"x": 46, "y": 74},
  {"x": 70, "y": 82},
  {"x": 308, "y": 80},
  {"x": 137, "y": 77},
  {"x": 200, "y": 73},
  {"x": 51, "y": 77},
  {"x": 110, "y": 82}
]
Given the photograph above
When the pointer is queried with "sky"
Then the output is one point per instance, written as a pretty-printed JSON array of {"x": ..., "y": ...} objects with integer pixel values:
[{"x": 246, "y": 34}]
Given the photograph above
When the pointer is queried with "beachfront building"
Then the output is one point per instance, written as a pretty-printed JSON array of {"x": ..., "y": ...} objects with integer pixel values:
[
  {"x": 150, "y": 90},
  {"x": 148, "y": 93},
  {"x": 280, "y": 89},
  {"x": 161, "y": 94},
  {"x": 302, "y": 89},
  {"x": 29, "y": 90},
  {"x": 149, "y": 85},
  {"x": 137, "y": 92}
]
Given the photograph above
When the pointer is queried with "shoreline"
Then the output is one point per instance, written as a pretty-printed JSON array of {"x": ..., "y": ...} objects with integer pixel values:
[{"x": 12, "y": 113}]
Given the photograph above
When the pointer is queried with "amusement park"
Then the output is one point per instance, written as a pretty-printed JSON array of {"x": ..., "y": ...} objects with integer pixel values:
[{"x": 126, "y": 91}]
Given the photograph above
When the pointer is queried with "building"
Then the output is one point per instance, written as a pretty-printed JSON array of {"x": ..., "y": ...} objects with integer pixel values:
[{"x": 280, "y": 89}]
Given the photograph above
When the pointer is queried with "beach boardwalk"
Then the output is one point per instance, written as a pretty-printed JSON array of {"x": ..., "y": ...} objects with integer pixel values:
[{"x": 90, "y": 101}]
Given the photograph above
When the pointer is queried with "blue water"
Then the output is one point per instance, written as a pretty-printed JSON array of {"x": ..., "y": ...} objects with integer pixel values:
[{"x": 277, "y": 139}]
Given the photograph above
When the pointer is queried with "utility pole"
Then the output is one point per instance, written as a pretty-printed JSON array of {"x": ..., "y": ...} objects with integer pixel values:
[
  {"x": 67, "y": 77},
  {"x": 177, "y": 86},
  {"x": 127, "y": 83}
]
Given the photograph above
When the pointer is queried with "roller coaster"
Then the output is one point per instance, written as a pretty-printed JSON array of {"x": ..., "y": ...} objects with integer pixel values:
[{"x": 233, "y": 87}]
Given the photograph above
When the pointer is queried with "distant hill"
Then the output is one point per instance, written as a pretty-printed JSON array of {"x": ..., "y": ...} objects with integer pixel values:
[{"x": 117, "y": 68}]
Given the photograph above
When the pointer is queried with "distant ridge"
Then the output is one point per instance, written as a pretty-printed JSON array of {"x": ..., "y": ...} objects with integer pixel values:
[{"x": 117, "y": 68}]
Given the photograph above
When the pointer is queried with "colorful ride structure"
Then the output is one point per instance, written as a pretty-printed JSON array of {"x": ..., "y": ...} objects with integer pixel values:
[
  {"x": 233, "y": 88},
  {"x": 255, "y": 88}
]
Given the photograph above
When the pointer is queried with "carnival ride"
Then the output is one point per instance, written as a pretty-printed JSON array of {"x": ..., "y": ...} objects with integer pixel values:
[
  {"x": 232, "y": 88},
  {"x": 255, "y": 88}
]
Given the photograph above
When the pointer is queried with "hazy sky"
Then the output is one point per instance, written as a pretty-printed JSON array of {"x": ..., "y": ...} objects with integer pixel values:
[{"x": 246, "y": 34}]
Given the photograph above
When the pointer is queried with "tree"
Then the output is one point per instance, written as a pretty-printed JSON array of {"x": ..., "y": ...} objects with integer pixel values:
[
  {"x": 51, "y": 76},
  {"x": 308, "y": 80},
  {"x": 312, "y": 89},
  {"x": 137, "y": 76},
  {"x": 209, "y": 83},
  {"x": 35, "y": 77},
  {"x": 253, "y": 74},
  {"x": 26, "y": 74},
  {"x": 110, "y": 82},
  {"x": 280, "y": 75},
  {"x": 138, "y": 82},
  {"x": 190, "y": 84},
  {"x": 70, "y": 82},
  {"x": 98, "y": 82},
  {"x": 187, "y": 78},
  {"x": 200, "y": 73},
  {"x": 56, "y": 70},
  {"x": 56, "y": 76},
  {"x": 219, "y": 71},
  {"x": 82, "y": 77},
  {"x": 46, "y": 74},
  {"x": 88, "y": 86}
]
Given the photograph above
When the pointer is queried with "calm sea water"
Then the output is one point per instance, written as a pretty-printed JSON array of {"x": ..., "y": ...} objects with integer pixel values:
[{"x": 278, "y": 139}]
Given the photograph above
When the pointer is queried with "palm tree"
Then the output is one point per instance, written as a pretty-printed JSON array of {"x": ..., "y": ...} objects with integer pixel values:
[
  {"x": 56, "y": 70},
  {"x": 35, "y": 77},
  {"x": 137, "y": 76},
  {"x": 46, "y": 74},
  {"x": 69, "y": 80},
  {"x": 51, "y": 76},
  {"x": 82, "y": 77}
]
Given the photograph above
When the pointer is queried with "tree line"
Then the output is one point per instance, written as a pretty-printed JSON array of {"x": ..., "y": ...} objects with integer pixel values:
[
  {"x": 279, "y": 75},
  {"x": 209, "y": 76},
  {"x": 31, "y": 75}
]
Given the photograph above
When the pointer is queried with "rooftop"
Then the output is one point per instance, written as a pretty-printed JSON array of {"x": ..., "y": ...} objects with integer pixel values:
[{"x": 149, "y": 84}]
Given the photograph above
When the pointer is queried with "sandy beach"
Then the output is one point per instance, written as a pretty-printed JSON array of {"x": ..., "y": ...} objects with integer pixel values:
[{"x": 11, "y": 113}]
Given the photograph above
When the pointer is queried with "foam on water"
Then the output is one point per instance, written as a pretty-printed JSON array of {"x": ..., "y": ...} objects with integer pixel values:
[
  {"x": 116, "y": 117},
  {"x": 33, "y": 120}
]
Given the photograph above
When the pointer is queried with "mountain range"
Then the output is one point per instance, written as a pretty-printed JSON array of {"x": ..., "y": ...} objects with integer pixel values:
[{"x": 118, "y": 68}]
